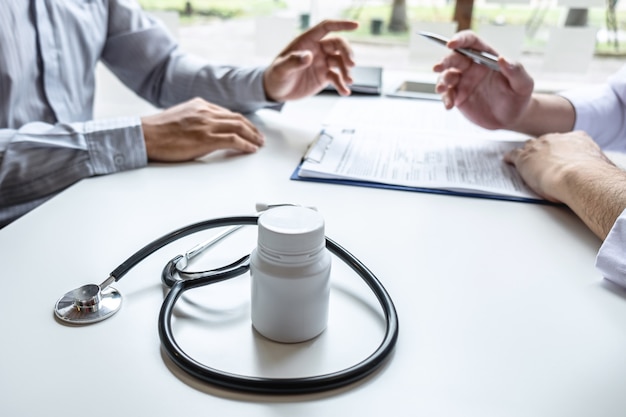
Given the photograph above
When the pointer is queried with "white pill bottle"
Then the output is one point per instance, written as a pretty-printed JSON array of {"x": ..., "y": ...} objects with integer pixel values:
[{"x": 290, "y": 270}]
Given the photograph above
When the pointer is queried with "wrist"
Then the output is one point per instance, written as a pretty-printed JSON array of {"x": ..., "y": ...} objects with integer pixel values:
[
  {"x": 596, "y": 193},
  {"x": 267, "y": 84},
  {"x": 545, "y": 113}
]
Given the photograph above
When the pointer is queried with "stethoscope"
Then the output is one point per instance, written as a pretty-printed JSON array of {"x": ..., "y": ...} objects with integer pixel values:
[{"x": 92, "y": 303}]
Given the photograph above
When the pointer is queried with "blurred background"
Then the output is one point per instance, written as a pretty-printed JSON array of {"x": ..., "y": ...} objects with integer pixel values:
[
  {"x": 562, "y": 43},
  {"x": 554, "y": 38}
]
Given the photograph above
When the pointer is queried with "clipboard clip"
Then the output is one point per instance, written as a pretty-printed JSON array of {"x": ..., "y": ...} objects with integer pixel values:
[{"x": 317, "y": 149}]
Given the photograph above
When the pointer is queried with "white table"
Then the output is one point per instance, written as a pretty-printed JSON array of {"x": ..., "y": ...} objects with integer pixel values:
[{"x": 502, "y": 312}]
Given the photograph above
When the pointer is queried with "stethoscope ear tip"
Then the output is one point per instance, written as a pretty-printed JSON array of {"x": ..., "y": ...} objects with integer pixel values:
[{"x": 87, "y": 304}]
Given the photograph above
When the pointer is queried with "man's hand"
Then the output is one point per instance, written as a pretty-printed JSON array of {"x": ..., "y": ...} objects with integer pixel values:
[
  {"x": 491, "y": 99},
  {"x": 547, "y": 163},
  {"x": 196, "y": 128},
  {"x": 571, "y": 168},
  {"x": 310, "y": 62}
]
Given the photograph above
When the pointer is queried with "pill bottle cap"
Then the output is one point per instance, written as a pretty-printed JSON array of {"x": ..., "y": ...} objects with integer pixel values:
[{"x": 291, "y": 230}]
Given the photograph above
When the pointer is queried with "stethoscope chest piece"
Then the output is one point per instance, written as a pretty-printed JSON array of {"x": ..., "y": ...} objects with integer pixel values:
[{"x": 88, "y": 304}]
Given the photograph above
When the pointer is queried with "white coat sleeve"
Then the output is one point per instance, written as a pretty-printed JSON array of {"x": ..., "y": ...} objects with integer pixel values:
[
  {"x": 601, "y": 111},
  {"x": 611, "y": 259}
]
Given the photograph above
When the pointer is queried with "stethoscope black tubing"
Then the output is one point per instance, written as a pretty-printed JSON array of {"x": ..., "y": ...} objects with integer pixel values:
[
  {"x": 165, "y": 240},
  {"x": 250, "y": 384}
]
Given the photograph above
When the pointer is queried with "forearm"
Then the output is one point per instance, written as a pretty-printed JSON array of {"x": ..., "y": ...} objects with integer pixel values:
[
  {"x": 237, "y": 89},
  {"x": 597, "y": 194},
  {"x": 546, "y": 113},
  {"x": 40, "y": 159}
]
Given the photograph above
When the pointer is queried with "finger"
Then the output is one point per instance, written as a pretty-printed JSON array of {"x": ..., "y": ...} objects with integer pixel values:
[
  {"x": 519, "y": 80},
  {"x": 222, "y": 120},
  {"x": 448, "y": 79},
  {"x": 512, "y": 156},
  {"x": 337, "y": 80},
  {"x": 323, "y": 28},
  {"x": 454, "y": 60},
  {"x": 224, "y": 141},
  {"x": 338, "y": 46},
  {"x": 294, "y": 61},
  {"x": 446, "y": 86},
  {"x": 335, "y": 63},
  {"x": 243, "y": 128},
  {"x": 448, "y": 98}
]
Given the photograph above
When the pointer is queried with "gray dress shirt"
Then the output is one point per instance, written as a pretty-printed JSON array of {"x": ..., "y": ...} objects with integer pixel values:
[{"x": 48, "y": 54}]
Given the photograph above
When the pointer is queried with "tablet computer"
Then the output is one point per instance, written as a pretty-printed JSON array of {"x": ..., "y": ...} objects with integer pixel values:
[{"x": 416, "y": 89}]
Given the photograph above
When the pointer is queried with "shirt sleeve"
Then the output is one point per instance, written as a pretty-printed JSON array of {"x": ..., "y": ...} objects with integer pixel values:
[
  {"x": 145, "y": 57},
  {"x": 611, "y": 259},
  {"x": 601, "y": 111},
  {"x": 40, "y": 159},
  {"x": 235, "y": 88}
]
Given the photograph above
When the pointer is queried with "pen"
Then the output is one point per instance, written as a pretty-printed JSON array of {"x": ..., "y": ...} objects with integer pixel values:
[{"x": 480, "y": 57}]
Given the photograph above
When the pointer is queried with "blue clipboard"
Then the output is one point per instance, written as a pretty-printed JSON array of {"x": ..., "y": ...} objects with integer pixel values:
[
  {"x": 320, "y": 148},
  {"x": 296, "y": 177}
]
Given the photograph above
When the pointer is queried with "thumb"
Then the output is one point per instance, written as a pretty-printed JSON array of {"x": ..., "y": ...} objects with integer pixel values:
[
  {"x": 294, "y": 61},
  {"x": 518, "y": 78},
  {"x": 512, "y": 156}
]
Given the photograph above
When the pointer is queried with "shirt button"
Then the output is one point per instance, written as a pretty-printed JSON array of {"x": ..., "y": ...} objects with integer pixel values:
[{"x": 118, "y": 159}]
